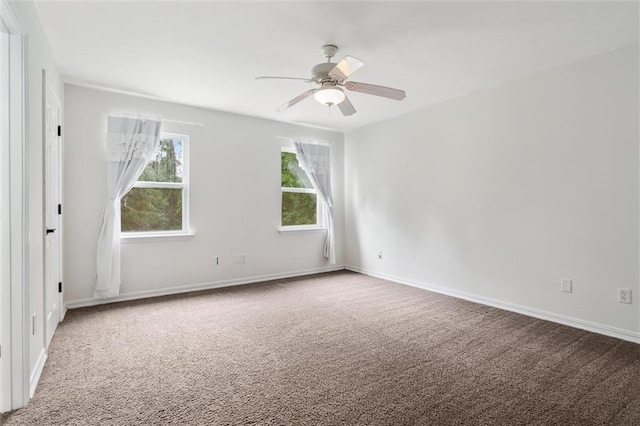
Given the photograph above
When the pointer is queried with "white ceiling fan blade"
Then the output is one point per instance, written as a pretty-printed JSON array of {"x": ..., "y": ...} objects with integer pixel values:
[
  {"x": 372, "y": 89},
  {"x": 264, "y": 77},
  {"x": 346, "y": 107},
  {"x": 345, "y": 68},
  {"x": 295, "y": 100}
]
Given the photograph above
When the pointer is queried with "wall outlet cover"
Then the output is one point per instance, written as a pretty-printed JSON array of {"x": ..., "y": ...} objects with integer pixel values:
[
  {"x": 566, "y": 285},
  {"x": 624, "y": 295}
]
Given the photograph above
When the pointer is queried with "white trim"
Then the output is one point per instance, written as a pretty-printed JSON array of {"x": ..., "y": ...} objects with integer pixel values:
[
  {"x": 20, "y": 309},
  {"x": 627, "y": 335},
  {"x": 72, "y": 304},
  {"x": 185, "y": 178},
  {"x": 130, "y": 237},
  {"x": 301, "y": 228},
  {"x": 299, "y": 190},
  {"x": 160, "y": 185},
  {"x": 37, "y": 371},
  {"x": 15, "y": 347},
  {"x": 5, "y": 233}
]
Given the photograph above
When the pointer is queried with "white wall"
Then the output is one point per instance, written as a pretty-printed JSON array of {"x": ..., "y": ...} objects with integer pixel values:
[
  {"x": 503, "y": 192},
  {"x": 38, "y": 58},
  {"x": 234, "y": 198}
]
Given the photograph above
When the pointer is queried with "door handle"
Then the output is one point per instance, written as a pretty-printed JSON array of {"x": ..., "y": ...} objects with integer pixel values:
[{"x": 49, "y": 231}]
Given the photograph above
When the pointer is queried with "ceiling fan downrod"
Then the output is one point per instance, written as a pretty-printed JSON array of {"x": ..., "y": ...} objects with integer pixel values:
[{"x": 329, "y": 51}]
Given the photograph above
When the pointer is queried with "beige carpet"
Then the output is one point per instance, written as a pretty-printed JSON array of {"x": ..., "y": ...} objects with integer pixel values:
[{"x": 331, "y": 349}]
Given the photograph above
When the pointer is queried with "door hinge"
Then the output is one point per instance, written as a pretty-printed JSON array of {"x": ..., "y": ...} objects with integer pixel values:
[
  {"x": 59, "y": 208},
  {"x": 60, "y": 287},
  {"x": 59, "y": 130}
]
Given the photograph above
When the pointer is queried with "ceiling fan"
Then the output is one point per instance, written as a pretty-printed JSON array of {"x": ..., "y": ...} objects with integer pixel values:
[{"x": 332, "y": 78}]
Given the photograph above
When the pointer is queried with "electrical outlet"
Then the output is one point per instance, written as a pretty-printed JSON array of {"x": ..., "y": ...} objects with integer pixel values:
[
  {"x": 624, "y": 295},
  {"x": 566, "y": 285},
  {"x": 239, "y": 258}
]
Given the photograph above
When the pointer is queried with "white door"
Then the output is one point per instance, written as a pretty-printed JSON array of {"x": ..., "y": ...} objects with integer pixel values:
[{"x": 52, "y": 273}]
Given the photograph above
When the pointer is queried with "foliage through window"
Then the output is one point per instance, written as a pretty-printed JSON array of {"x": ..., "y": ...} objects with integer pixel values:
[
  {"x": 299, "y": 199},
  {"x": 157, "y": 203}
]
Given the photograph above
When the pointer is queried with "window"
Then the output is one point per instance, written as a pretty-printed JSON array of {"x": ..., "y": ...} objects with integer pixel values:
[
  {"x": 300, "y": 204},
  {"x": 158, "y": 202}
]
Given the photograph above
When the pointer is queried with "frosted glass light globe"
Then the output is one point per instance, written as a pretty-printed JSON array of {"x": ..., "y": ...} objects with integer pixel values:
[{"x": 329, "y": 95}]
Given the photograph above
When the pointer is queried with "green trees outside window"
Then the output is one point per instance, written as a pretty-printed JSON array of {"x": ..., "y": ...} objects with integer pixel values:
[
  {"x": 155, "y": 202},
  {"x": 151, "y": 209},
  {"x": 299, "y": 199}
]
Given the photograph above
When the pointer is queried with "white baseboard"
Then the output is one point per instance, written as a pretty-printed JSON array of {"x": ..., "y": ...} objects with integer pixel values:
[
  {"x": 71, "y": 304},
  {"x": 37, "y": 371},
  {"x": 627, "y": 335}
]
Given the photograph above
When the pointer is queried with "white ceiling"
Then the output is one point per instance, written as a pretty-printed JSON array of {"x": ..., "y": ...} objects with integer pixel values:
[{"x": 207, "y": 53}]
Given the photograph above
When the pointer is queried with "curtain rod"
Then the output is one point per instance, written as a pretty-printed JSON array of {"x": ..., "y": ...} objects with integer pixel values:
[
  {"x": 191, "y": 123},
  {"x": 316, "y": 141}
]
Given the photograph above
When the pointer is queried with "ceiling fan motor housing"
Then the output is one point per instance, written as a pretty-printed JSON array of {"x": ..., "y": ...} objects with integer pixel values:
[{"x": 320, "y": 72}]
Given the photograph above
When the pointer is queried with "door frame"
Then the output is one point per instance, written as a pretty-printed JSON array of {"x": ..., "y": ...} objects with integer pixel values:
[{"x": 14, "y": 360}]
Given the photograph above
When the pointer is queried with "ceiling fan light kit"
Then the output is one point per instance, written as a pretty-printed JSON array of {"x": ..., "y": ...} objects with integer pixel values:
[
  {"x": 332, "y": 77},
  {"x": 329, "y": 95}
]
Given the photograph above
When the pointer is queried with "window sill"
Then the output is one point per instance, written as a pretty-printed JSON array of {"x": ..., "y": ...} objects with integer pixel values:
[
  {"x": 153, "y": 238},
  {"x": 297, "y": 229}
]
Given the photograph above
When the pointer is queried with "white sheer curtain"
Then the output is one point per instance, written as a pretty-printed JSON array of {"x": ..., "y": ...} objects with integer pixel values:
[
  {"x": 132, "y": 142},
  {"x": 315, "y": 159}
]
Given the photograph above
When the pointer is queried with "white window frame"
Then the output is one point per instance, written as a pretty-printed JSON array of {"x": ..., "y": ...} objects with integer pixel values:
[
  {"x": 319, "y": 225},
  {"x": 178, "y": 234}
]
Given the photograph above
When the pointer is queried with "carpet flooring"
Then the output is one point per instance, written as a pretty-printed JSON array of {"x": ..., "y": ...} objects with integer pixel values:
[{"x": 330, "y": 349}]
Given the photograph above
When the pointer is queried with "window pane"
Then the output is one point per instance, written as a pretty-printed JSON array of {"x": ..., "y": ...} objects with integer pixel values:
[
  {"x": 299, "y": 208},
  {"x": 167, "y": 166},
  {"x": 151, "y": 209},
  {"x": 292, "y": 175}
]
